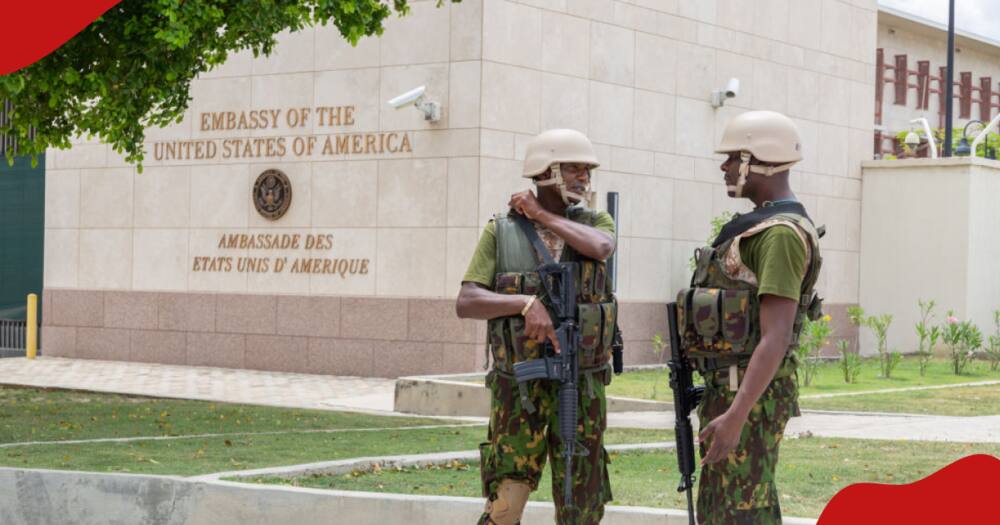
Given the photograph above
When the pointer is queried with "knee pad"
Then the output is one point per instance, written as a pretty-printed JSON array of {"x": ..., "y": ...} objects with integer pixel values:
[{"x": 511, "y": 497}]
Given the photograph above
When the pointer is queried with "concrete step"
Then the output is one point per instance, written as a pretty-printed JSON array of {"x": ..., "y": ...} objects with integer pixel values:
[{"x": 461, "y": 395}]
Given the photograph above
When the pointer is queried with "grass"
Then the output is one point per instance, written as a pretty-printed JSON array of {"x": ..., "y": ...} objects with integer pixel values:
[
  {"x": 32, "y": 414},
  {"x": 958, "y": 401},
  {"x": 255, "y": 436},
  {"x": 643, "y": 383},
  {"x": 189, "y": 457},
  {"x": 811, "y": 471}
]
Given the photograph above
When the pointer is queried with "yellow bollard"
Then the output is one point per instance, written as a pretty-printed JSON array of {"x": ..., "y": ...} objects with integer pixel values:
[{"x": 31, "y": 335}]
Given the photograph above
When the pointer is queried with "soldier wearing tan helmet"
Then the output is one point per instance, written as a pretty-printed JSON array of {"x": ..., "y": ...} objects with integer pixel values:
[
  {"x": 502, "y": 286},
  {"x": 740, "y": 319}
]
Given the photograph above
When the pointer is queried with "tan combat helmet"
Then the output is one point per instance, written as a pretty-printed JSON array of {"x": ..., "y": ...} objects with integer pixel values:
[
  {"x": 551, "y": 148},
  {"x": 766, "y": 135}
]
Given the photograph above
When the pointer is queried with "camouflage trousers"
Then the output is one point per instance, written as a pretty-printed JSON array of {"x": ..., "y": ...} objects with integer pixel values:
[
  {"x": 519, "y": 443},
  {"x": 741, "y": 490}
]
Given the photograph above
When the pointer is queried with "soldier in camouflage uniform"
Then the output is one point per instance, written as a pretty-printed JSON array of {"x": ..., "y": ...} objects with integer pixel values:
[
  {"x": 750, "y": 293},
  {"x": 501, "y": 285}
]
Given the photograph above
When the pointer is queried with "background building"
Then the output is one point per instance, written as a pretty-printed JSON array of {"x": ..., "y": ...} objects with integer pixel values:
[
  {"x": 919, "y": 48},
  {"x": 135, "y": 263}
]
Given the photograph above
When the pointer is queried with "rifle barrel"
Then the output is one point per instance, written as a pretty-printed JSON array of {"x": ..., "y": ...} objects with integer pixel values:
[{"x": 685, "y": 400}]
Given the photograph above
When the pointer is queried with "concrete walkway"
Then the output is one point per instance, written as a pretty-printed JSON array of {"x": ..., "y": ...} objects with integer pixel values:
[
  {"x": 375, "y": 395},
  {"x": 861, "y": 425},
  {"x": 209, "y": 384}
]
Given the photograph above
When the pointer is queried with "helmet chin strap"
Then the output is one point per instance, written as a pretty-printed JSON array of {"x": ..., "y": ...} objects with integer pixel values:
[
  {"x": 746, "y": 169},
  {"x": 568, "y": 197}
]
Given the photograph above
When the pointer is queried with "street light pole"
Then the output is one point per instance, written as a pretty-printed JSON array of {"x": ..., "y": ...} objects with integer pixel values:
[{"x": 950, "y": 82}]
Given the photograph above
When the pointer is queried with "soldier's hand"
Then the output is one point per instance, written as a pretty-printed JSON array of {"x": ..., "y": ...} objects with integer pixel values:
[
  {"x": 526, "y": 204},
  {"x": 722, "y": 435},
  {"x": 538, "y": 325}
]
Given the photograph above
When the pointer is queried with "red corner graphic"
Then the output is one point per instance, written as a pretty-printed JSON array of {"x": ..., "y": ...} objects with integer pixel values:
[
  {"x": 33, "y": 29},
  {"x": 963, "y": 492}
]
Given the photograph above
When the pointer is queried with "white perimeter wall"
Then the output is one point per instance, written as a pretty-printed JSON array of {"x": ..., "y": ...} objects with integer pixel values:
[{"x": 930, "y": 230}]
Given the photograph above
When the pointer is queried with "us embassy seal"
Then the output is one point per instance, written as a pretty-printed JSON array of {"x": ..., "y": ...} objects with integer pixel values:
[{"x": 272, "y": 194}]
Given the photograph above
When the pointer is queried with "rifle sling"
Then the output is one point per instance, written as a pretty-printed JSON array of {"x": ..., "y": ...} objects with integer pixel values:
[{"x": 543, "y": 253}]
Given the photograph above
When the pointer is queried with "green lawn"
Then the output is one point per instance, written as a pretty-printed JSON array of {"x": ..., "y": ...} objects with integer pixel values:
[
  {"x": 254, "y": 437},
  {"x": 188, "y": 457},
  {"x": 31, "y": 414},
  {"x": 958, "y": 401},
  {"x": 829, "y": 379},
  {"x": 811, "y": 471}
]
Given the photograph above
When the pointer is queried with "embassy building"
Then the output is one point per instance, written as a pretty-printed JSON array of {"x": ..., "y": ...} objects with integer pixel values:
[{"x": 296, "y": 221}]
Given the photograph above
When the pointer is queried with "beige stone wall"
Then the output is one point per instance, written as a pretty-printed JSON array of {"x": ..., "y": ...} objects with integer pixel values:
[
  {"x": 317, "y": 335},
  {"x": 635, "y": 76},
  {"x": 898, "y": 34},
  {"x": 109, "y": 228},
  {"x": 930, "y": 231}
]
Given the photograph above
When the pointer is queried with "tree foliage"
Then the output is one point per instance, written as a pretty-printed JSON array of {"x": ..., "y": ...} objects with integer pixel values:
[{"x": 132, "y": 67}]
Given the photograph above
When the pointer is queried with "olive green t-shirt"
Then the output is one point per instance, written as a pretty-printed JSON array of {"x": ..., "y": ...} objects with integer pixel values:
[
  {"x": 778, "y": 257},
  {"x": 482, "y": 267}
]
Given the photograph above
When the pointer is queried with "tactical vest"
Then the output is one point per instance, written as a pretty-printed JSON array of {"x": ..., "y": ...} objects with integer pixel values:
[
  {"x": 597, "y": 309},
  {"x": 719, "y": 316}
]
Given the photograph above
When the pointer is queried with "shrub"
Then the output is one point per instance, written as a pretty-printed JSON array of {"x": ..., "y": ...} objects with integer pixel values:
[
  {"x": 850, "y": 362},
  {"x": 963, "y": 339},
  {"x": 892, "y": 359},
  {"x": 993, "y": 346},
  {"x": 814, "y": 337},
  {"x": 879, "y": 325},
  {"x": 716, "y": 226},
  {"x": 928, "y": 334},
  {"x": 659, "y": 345}
]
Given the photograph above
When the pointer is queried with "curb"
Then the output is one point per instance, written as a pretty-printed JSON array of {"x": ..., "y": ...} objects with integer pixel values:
[
  {"x": 28, "y": 497},
  {"x": 451, "y": 396}
]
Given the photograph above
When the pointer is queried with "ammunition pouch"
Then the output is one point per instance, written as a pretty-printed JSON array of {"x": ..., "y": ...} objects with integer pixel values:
[
  {"x": 715, "y": 322},
  {"x": 597, "y": 316},
  {"x": 718, "y": 318}
]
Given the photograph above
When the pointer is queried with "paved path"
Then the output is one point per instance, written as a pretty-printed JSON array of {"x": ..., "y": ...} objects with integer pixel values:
[
  {"x": 862, "y": 425},
  {"x": 376, "y": 396},
  {"x": 212, "y": 384}
]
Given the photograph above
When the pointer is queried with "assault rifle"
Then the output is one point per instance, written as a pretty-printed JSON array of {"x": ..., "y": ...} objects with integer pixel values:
[
  {"x": 686, "y": 398},
  {"x": 558, "y": 279}
]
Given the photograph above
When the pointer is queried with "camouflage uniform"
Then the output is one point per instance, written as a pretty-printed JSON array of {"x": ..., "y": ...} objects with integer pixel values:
[
  {"x": 719, "y": 320},
  {"x": 519, "y": 444},
  {"x": 742, "y": 490},
  {"x": 524, "y": 427}
]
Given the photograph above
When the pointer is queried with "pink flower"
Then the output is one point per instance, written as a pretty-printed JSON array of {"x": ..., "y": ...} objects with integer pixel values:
[{"x": 952, "y": 319}]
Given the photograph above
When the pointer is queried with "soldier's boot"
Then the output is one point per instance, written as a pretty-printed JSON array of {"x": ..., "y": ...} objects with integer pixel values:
[{"x": 507, "y": 507}]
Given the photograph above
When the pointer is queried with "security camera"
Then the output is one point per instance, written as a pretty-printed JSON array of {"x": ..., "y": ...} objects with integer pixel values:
[
  {"x": 912, "y": 139},
  {"x": 412, "y": 96},
  {"x": 732, "y": 89},
  {"x": 415, "y": 96}
]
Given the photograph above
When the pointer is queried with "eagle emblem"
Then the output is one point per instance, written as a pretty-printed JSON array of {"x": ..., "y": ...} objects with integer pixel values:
[{"x": 272, "y": 194}]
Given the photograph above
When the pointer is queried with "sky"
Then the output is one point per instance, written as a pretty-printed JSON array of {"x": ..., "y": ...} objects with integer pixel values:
[{"x": 971, "y": 16}]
